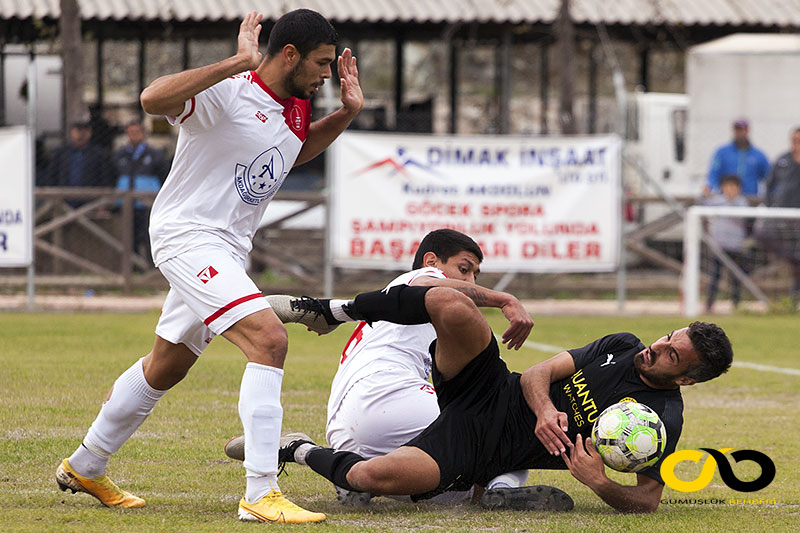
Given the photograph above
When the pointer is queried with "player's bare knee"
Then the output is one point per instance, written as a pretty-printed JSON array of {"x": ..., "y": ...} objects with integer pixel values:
[
  {"x": 163, "y": 368},
  {"x": 361, "y": 477},
  {"x": 270, "y": 344},
  {"x": 371, "y": 476}
]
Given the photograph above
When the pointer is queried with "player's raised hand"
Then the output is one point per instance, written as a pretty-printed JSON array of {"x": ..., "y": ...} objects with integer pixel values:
[
  {"x": 551, "y": 430},
  {"x": 352, "y": 97},
  {"x": 519, "y": 327},
  {"x": 247, "y": 47}
]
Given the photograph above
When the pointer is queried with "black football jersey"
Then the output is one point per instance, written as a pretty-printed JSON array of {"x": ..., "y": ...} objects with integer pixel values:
[{"x": 605, "y": 375}]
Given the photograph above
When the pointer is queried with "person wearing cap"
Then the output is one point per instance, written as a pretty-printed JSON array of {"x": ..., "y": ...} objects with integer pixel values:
[
  {"x": 79, "y": 163},
  {"x": 738, "y": 157}
]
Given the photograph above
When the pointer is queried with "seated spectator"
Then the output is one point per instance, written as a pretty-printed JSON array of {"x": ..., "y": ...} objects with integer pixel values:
[
  {"x": 140, "y": 168},
  {"x": 738, "y": 157},
  {"x": 730, "y": 233}
]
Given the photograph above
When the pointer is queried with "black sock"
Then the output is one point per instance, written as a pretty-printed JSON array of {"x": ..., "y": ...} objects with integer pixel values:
[
  {"x": 333, "y": 465},
  {"x": 402, "y": 304}
]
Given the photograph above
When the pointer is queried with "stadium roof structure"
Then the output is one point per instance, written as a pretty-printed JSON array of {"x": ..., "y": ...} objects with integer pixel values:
[
  {"x": 763, "y": 13},
  {"x": 645, "y": 25}
]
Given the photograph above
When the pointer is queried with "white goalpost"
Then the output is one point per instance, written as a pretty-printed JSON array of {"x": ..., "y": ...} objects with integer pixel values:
[{"x": 694, "y": 234}]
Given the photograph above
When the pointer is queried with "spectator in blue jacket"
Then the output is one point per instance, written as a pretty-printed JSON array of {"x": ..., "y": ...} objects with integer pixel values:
[
  {"x": 141, "y": 167},
  {"x": 738, "y": 157}
]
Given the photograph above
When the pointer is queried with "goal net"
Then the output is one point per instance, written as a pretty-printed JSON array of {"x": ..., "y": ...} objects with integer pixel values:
[{"x": 766, "y": 264}]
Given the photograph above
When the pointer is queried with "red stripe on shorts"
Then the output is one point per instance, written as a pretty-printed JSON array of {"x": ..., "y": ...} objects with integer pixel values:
[{"x": 227, "y": 307}]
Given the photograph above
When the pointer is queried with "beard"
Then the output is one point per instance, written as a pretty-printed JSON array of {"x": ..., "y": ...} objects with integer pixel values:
[
  {"x": 293, "y": 87},
  {"x": 658, "y": 381}
]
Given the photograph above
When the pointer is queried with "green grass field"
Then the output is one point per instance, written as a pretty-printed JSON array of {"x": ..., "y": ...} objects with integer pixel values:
[{"x": 55, "y": 370}]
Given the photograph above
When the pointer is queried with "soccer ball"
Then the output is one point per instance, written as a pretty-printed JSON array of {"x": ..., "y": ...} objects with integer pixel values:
[{"x": 629, "y": 436}]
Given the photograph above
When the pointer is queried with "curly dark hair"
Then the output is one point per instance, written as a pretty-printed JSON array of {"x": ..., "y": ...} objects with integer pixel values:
[{"x": 713, "y": 348}]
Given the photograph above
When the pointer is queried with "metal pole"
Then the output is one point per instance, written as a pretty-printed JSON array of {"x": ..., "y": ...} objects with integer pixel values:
[
  {"x": 2, "y": 84},
  {"x": 453, "y": 85},
  {"x": 544, "y": 86},
  {"x": 399, "y": 73},
  {"x": 592, "y": 83},
  {"x": 32, "y": 165},
  {"x": 330, "y": 100},
  {"x": 622, "y": 128},
  {"x": 622, "y": 267},
  {"x": 503, "y": 81},
  {"x": 328, "y": 272},
  {"x": 691, "y": 263}
]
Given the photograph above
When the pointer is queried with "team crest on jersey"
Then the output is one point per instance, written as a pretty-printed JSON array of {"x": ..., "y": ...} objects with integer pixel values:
[
  {"x": 207, "y": 273},
  {"x": 260, "y": 179},
  {"x": 296, "y": 118}
]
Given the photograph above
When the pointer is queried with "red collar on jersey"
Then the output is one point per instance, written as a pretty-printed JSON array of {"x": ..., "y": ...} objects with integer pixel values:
[{"x": 283, "y": 101}]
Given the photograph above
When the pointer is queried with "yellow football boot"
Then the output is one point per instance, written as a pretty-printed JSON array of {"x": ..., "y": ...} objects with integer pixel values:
[
  {"x": 275, "y": 508},
  {"x": 101, "y": 488}
]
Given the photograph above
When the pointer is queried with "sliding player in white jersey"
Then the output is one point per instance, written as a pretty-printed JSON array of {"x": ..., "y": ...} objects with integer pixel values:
[
  {"x": 244, "y": 123},
  {"x": 380, "y": 397}
]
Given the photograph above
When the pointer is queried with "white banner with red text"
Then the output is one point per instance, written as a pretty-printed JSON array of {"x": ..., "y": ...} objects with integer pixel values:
[{"x": 533, "y": 204}]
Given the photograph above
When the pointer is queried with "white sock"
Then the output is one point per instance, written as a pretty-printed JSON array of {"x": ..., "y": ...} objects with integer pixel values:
[
  {"x": 88, "y": 463},
  {"x": 261, "y": 414},
  {"x": 260, "y": 486},
  {"x": 339, "y": 313},
  {"x": 518, "y": 478},
  {"x": 301, "y": 452},
  {"x": 131, "y": 402}
]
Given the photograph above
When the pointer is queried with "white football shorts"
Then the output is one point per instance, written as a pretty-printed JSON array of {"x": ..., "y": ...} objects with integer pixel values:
[
  {"x": 381, "y": 412},
  {"x": 209, "y": 292}
]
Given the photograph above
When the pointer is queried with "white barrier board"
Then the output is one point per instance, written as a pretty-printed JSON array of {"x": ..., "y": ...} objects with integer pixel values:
[{"x": 16, "y": 223}]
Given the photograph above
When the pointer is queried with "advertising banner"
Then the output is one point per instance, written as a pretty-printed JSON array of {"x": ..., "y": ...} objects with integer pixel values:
[
  {"x": 533, "y": 204},
  {"x": 16, "y": 224}
]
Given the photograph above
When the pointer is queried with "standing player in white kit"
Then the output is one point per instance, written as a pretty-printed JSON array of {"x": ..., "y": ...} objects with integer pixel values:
[
  {"x": 380, "y": 397},
  {"x": 241, "y": 132}
]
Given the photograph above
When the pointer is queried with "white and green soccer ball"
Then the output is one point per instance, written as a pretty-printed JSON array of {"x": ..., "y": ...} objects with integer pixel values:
[{"x": 629, "y": 436}]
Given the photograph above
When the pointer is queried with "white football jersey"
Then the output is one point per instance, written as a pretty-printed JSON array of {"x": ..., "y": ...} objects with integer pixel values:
[
  {"x": 384, "y": 345},
  {"x": 236, "y": 144}
]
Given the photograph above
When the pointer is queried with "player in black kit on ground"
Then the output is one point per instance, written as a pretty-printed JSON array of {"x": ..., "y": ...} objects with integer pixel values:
[{"x": 494, "y": 421}]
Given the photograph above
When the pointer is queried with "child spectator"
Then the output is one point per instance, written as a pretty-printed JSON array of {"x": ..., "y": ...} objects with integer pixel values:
[{"x": 730, "y": 233}]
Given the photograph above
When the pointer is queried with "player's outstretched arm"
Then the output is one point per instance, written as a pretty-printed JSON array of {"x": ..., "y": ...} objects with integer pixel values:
[
  {"x": 325, "y": 130},
  {"x": 551, "y": 424},
  {"x": 586, "y": 465},
  {"x": 168, "y": 94},
  {"x": 520, "y": 322}
]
